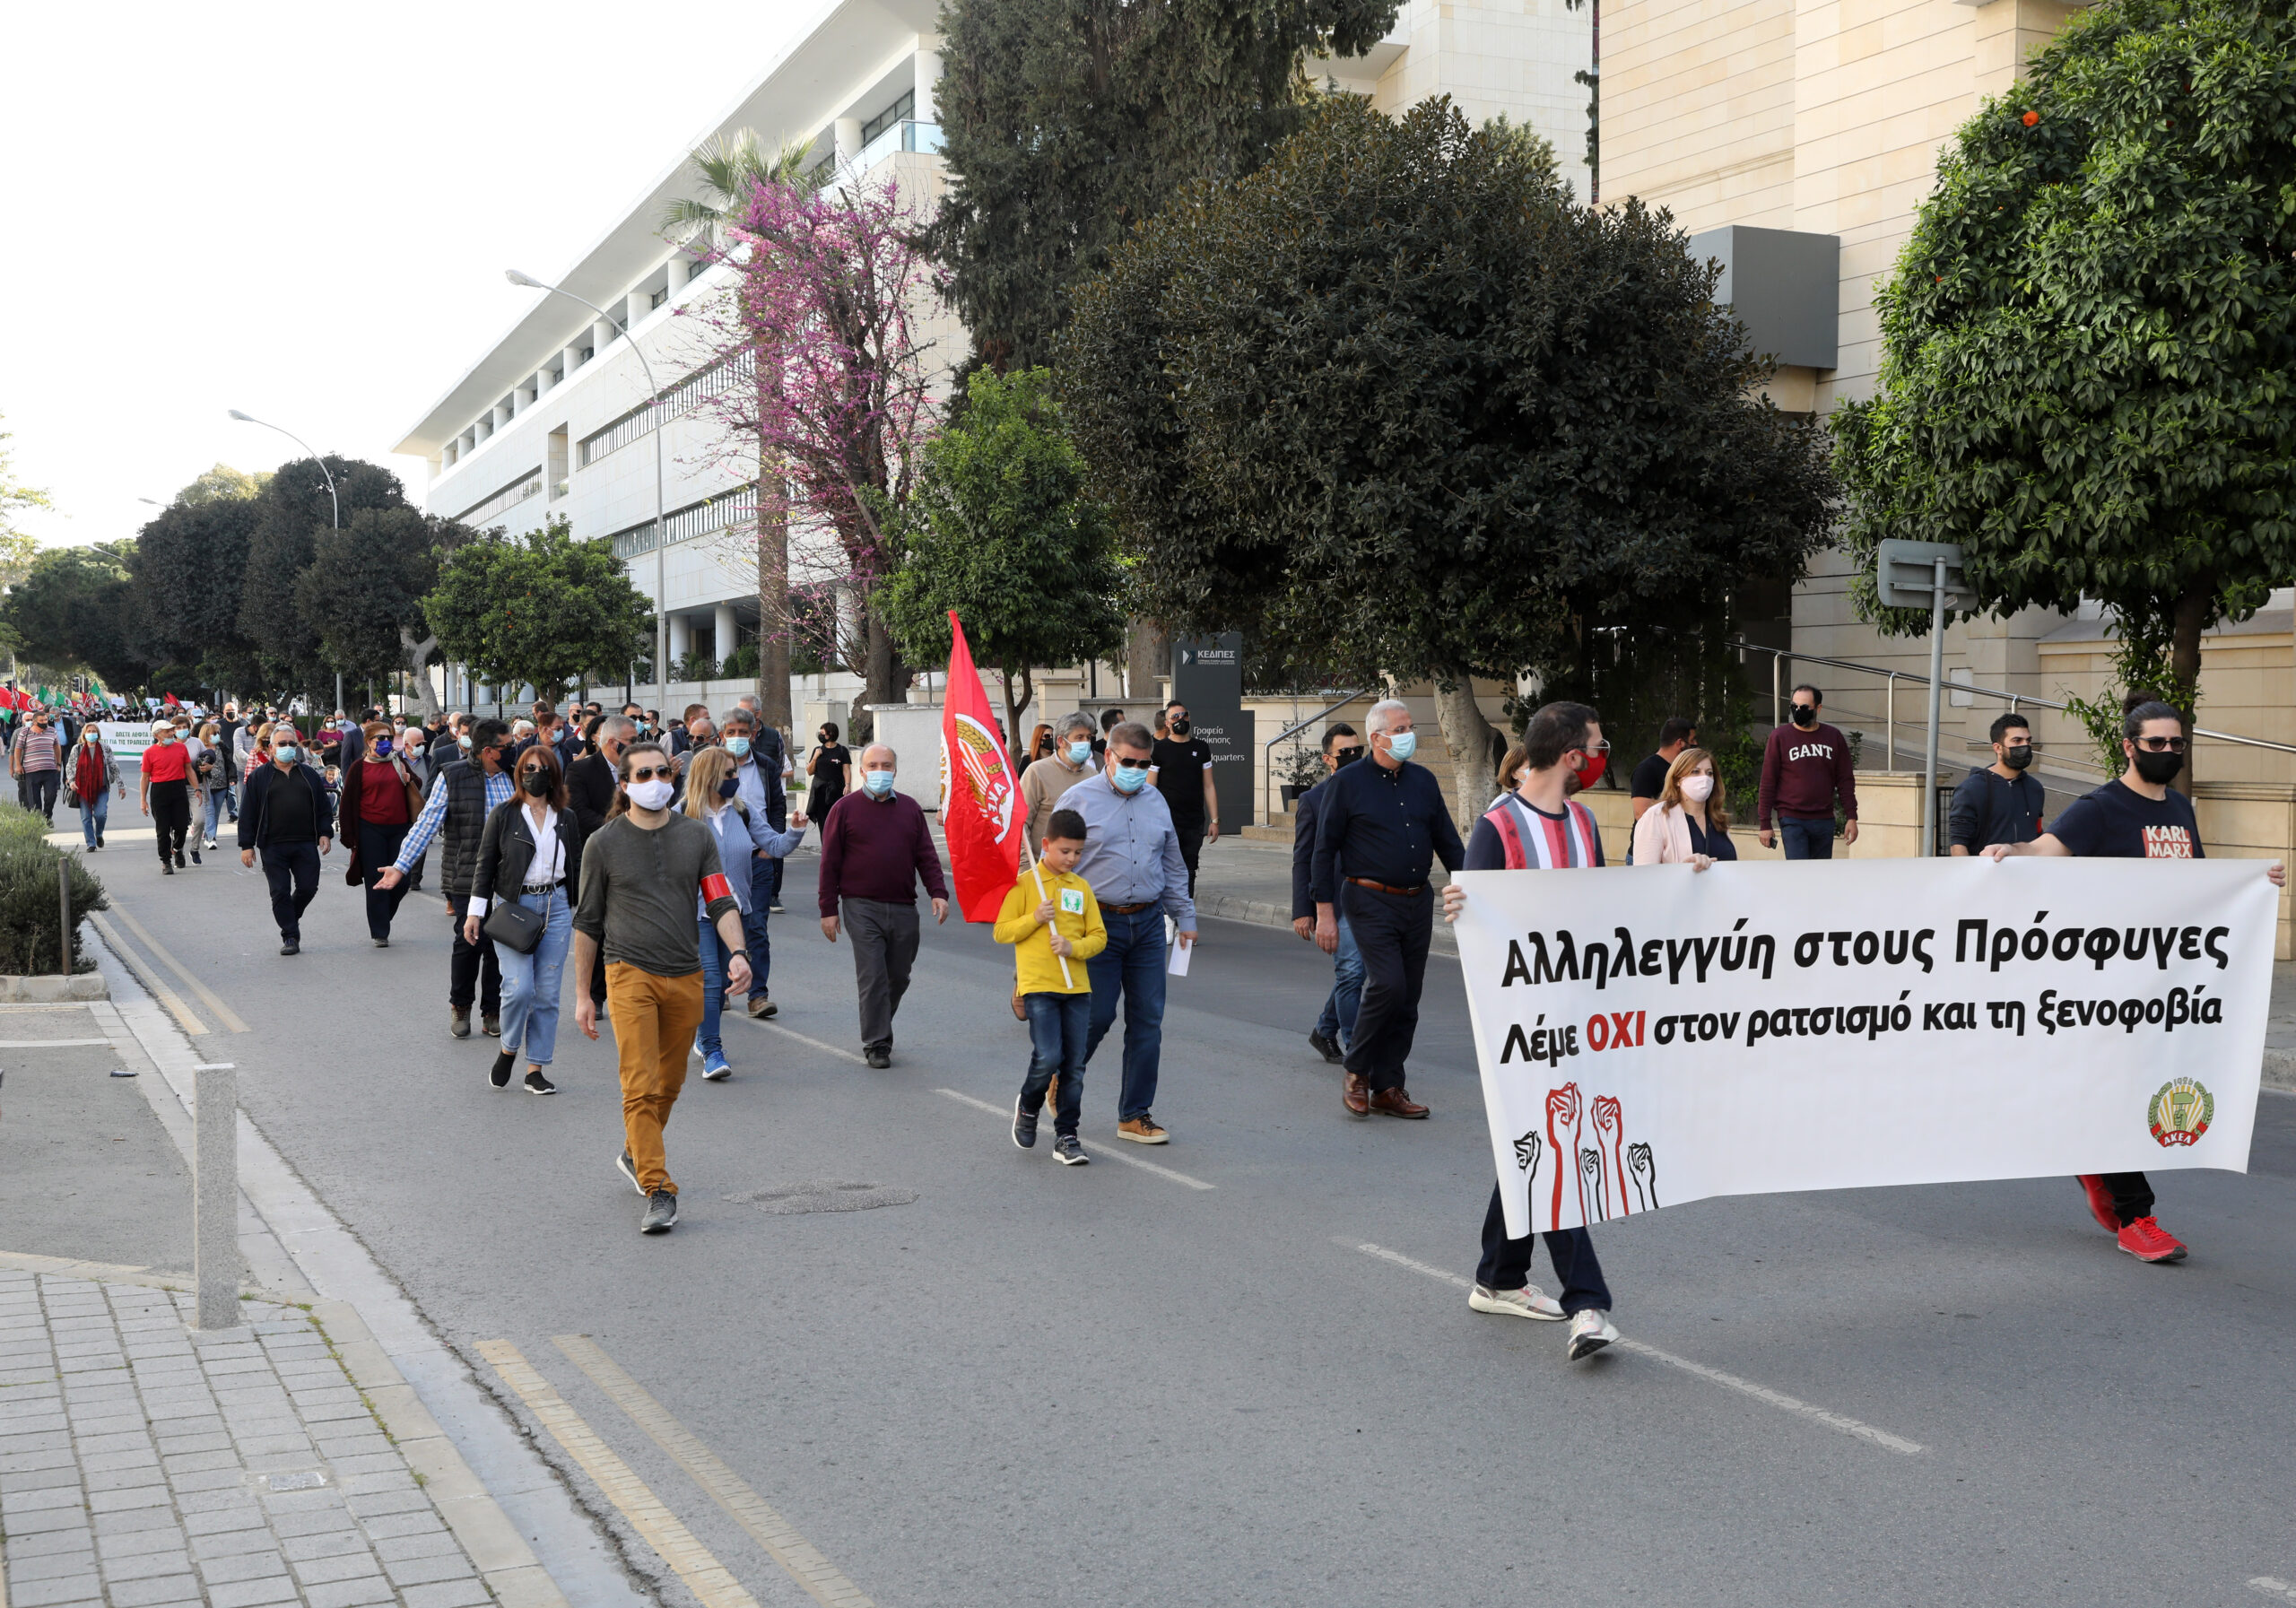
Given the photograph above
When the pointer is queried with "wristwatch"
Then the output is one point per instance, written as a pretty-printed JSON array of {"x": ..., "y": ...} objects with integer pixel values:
[{"x": 742, "y": 952}]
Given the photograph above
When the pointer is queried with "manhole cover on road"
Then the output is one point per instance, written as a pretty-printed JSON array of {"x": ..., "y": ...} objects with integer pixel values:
[{"x": 824, "y": 1195}]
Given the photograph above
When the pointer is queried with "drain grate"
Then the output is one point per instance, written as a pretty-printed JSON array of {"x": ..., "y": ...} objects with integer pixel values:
[{"x": 824, "y": 1195}]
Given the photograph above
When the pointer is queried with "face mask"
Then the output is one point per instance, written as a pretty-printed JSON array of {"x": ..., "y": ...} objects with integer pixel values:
[
  {"x": 827, "y": 739},
  {"x": 878, "y": 782},
  {"x": 2019, "y": 757},
  {"x": 1347, "y": 756},
  {"x": 1805, "y": 714},
  {"x": 1698, "y": 789},
  {"x": 535, "y": 782},
  {"x": 382, "y": 748},
  {"x": 1180, "y": 728},
  {"x": 728, "y": 788},
  {"x": 464, "y": 739},
  {"x": 1079, "y": 752},
  {"x": 739, "y": 747},
  {"x": 2159, "y": 769},
  {"x": 1402, "y": 745},
  {"x": 1592, "y": 771},
  {"x": 1129, "y": 780},
  {"x": 287, "y": 753},
  {"x": 651, "y": 795}
]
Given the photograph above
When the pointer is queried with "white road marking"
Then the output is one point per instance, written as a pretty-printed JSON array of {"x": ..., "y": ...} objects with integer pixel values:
[
  {"x": 2273, "y": 1588},
  {"x": 48, "y": 1043},
  {"x": 827, "y": 1049},
  {"x": 1761, "y": 1393},
  {"x": 1109, "y": 1155}
]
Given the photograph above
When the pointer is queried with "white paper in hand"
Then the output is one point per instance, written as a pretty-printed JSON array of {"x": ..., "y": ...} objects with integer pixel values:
[{"x": 1181, "y": 953}]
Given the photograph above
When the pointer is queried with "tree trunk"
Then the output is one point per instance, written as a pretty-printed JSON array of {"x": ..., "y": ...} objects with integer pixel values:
[
  {"x": 2186, "y": 623},
  {"x": 1013, "y": 709},
  {"x": 884, "y": 678},
  {"x": 1467, "y": 734},
  {"x": 772, "y": 616},
  {"x": 1144, "y": 645}
]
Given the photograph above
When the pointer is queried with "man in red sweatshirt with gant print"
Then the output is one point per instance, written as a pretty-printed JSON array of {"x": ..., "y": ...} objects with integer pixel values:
[{"x": 1804, "y": 768}]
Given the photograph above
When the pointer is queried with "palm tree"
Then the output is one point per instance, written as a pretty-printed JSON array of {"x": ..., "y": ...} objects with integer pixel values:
[{"x": 731, "y": 168}]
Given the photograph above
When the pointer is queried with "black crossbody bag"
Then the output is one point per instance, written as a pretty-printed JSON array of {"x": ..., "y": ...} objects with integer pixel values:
[{"x": 513, "y": 926}]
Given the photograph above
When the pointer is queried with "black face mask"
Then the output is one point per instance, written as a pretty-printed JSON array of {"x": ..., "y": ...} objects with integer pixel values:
[
  {"x": 1347, "y": 756},
  {"x": 2019, "y": 757},
  {"x": 2159, "y": 769},
  {"x": 1180, "y": 728},
  {"x": 536, "y": 783},
  {"x": 729, "y": 787},
  {"x": 1805, "y": 714}
]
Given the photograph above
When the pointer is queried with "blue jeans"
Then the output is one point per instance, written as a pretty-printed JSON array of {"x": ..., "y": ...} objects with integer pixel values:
[
  {"x": 1805, "y": 839},
  {"x": 713, "y": 984},
  {"x": 753, "y": 932},
  {"x": 1337, "y": 1023},
  {"x": 1132, "y": 965},
  {"x": 93, "y": 813},
  {"x": 530, "y": 983},
  {"x": 214, "y": 809},
  {"x": 1058, "y": 1025}
]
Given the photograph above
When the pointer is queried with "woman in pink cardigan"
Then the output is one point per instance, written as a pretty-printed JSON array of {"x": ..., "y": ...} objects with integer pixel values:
[{"x": 1688, "y": 824}]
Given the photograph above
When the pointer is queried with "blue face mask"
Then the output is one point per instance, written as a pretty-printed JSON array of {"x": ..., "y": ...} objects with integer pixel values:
[
  {"x": 728, "y": 788},
  {"x": 1128, "y": 780},
  {"x": 1403, "y": 745},
  {"x": 878, "y": 782},
  {"x": 287, "y": 752},
  {"x": 1079, "y": 754},
  {"x": 382, "y": 748},
  {"x": 739, "y": 747}
]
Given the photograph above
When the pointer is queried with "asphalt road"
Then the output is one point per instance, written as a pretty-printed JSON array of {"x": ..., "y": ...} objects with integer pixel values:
[{"x": 1038, "y": 1385}]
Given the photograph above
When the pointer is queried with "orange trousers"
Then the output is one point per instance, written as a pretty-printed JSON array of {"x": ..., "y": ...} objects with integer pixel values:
[{"x": 653, "y": 1022}]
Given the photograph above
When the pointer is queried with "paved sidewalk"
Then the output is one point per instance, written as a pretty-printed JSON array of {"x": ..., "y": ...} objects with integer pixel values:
[{"x": 143, "y": 1464}]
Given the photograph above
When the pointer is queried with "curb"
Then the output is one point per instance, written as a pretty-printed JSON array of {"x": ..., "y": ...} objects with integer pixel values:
[
  {"x": 53, "y": 989},
  {"x": 1259, "y": 912}
]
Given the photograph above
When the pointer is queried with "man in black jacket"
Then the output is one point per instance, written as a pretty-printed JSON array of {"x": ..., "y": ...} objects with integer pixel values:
[
  {"x": 590, "y": 784},
  {"x": 463, "y": 793},
  {"x": 1336, "y": 1025},
  {"x": 287, "y": 816}
]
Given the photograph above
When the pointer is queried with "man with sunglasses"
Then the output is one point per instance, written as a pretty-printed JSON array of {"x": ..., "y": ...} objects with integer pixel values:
[
  {"x": 463, "y": 793},
  {"x": 2136, "y": 816},
  {"x": 1377, "y": 837},
  {"x": 1336, "y": 1025}
]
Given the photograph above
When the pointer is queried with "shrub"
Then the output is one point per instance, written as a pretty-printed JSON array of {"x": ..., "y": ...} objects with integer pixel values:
[{"x": 27, "y": 910}]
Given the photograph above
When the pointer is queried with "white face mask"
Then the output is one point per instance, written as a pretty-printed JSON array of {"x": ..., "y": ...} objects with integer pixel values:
[
  {"x": 651, "y": 795},
  {"x": 1698, "y": 789}
]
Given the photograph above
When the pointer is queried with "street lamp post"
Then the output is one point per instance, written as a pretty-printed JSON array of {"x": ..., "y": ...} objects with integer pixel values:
[
  {"x": 661, "y": 508},
  {"x": 331, "y": 497}
]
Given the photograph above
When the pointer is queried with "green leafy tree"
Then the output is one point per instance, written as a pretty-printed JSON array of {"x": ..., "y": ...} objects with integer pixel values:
[
  {"x": 1001, "y": 530},
  {"x": 290, "y": 511},
  {"x": 15, "y": 547},
  {"x": 1066, "y": 123},
  {"x": 2089, "y": 338},
  {"x": 70, "y": 611},
  {"x": 188, "y": 576},
  {"x": 364, "y": 592},
  {"x": 222, "y": 483},
  {"x": 537, "y": 610},
  {"x": 1395, "y": 403}
]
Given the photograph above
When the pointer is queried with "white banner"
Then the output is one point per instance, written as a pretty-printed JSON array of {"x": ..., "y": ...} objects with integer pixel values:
[
  {"x": 128, "y": 739},
  {"x": 1657, "y": 1035}
]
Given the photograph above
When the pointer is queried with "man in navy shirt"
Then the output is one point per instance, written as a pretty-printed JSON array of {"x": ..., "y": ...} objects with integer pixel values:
[
  {"x": 1387, "y": 822},
  {"x": 2000, "y": 803},
  {"x": 1333, "y": 1029},
  {"x": 2133, "y": 817}
]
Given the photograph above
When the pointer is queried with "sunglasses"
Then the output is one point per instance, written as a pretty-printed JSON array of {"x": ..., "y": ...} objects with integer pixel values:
[
  {"x": 1345, "y": 754},
  {"x": 1123, "y": 763},
  {"x": 2162, "y": 744},
  {"x": 646, "y": 773}
]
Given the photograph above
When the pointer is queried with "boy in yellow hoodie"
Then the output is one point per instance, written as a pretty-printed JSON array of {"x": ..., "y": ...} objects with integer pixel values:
[{"x": 1060, "y": 924}]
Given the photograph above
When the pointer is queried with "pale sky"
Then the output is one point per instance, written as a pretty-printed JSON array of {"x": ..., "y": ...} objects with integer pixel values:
[{"x": 303, "y": 212}]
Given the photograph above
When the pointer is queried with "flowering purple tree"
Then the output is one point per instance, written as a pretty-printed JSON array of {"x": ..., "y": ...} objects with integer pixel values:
[{"x": 835, "y": 402}]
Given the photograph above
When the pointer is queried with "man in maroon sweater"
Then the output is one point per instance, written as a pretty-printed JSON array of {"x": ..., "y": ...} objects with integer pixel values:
[
  {"x": 1804, "y": 768},
  {"x": 875, "y": 845}
]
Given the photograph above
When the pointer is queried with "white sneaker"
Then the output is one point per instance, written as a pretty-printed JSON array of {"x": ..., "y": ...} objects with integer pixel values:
[
  {"x": 1529, "y": 1301},
  {"x": 1590, "y": 1332}
]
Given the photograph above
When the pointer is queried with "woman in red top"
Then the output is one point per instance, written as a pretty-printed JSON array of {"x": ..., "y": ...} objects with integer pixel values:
[
  {"x": 167, "y": 772},
  {"x": 380, "y": 800}
]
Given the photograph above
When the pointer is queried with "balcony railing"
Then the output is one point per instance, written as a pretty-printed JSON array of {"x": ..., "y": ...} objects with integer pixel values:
[
  {"x": 652, "y": 416},
  {"x": 901, "y": 137},
  {"x": 528, "y": 484},
  {"x": 700, "y": 518}
]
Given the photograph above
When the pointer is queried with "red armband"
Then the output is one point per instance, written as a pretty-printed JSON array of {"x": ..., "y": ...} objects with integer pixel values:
[{"x": 714, "y": 887}]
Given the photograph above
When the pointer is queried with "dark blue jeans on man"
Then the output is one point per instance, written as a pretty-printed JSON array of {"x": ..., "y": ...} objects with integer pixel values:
[
  {"x": 1059, "y": 1026},
  {"x": 292, "y": 870},
  {"x": 1392, "y": 932},
  {"x": 753, "y": 931},
  {"x": 1806, "y": 836},
  {"x": 1337, "y": 1023},
  {"x": 1133, "y": 966}
]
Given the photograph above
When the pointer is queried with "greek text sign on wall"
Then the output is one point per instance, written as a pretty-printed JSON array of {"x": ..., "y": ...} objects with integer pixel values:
[{"x": 1653, "y": 1036}]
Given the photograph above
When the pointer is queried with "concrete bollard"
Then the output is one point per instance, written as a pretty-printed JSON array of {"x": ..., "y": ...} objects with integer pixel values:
[{"x": 215, "y": 1193}]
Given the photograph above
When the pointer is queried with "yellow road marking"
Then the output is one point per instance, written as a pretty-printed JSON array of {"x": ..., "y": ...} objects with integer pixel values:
[
  {"x": 224, "y": 1013},
  {"x": 820, "y": 1579},
  {"x": 150, "y": 978},
  {"x": 708, "y": 1578}
]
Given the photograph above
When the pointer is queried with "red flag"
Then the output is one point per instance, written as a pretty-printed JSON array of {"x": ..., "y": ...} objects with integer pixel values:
[
  {"x": 171, "y": 702},
  {"x": 981, "y": 797}
]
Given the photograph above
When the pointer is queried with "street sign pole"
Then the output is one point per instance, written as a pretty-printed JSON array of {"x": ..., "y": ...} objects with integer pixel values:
[
  {"x": 1936, "y": 663},
  {"x": 1908, "y": 575}
]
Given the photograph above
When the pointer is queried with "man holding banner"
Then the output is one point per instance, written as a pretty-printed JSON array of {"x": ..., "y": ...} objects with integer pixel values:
[{"x": 2133, "y": 817}]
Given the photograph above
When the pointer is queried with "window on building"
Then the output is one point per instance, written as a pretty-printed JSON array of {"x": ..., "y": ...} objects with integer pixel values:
[{"x": 899, "y": 111}]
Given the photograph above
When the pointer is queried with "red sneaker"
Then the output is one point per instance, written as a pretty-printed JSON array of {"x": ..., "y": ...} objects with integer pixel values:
[
  {"x": 2146, "y": 1240},
  {"x": 2100, "y": 1201}
]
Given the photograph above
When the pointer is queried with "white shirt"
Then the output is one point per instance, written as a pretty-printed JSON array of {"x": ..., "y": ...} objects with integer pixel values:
[{"x": 548, "y": 865}]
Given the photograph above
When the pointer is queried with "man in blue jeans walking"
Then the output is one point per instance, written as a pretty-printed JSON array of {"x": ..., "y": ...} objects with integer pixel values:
[
  {"x": 1132, "y": 863},
  {"x": 1336, "y": 1025},
  {"x": 1804, "y": 770}
]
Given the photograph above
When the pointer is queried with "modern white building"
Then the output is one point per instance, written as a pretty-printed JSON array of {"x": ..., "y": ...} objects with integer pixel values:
[{"x": 551, "y": 421}]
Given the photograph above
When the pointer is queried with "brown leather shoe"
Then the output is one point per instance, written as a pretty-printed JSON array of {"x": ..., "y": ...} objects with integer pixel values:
[
  {"x": 1396, "y": 1103},
  {"x": 1356, "y": 1095}
]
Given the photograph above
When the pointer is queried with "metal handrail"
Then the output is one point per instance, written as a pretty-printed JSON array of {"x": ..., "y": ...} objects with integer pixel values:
[
  {"x": 1267, "y": 749},
  {"x": 2015, "y": 699}
]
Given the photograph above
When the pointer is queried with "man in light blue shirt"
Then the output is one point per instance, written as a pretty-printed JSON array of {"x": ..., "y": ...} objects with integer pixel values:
[
  {"x": 761, "y": 792},
  {"x": 1131, "y": 860}
]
